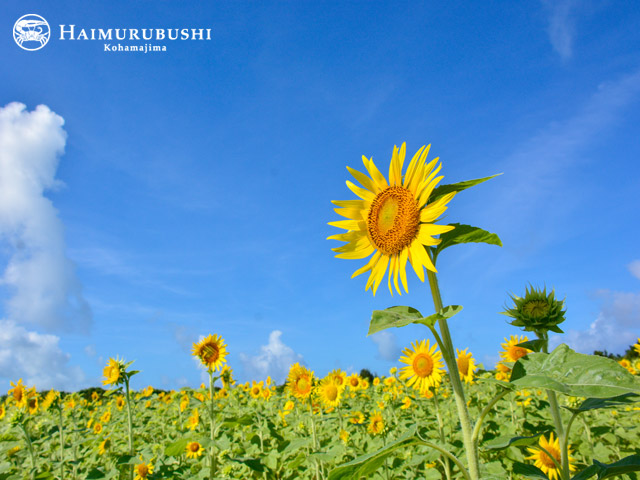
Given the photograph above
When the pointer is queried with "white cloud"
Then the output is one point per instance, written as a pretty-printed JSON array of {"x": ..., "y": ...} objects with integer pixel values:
[
  {"x": 615, "y": 329},
  {"x": 634, "y": 268},
  {"x": 37, "y": 359},
  {"x": 274, "y": 360},
  {"x": 42, "y": 287},
  {"x": 41, "y": 279},
  {"x": 387, "y": 345},
  {"x": 90, "y": 350},
  {"x": 561, "y": 28}
]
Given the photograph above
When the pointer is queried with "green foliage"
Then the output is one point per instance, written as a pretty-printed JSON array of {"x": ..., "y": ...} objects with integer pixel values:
[{"x": 401, "y": 316}]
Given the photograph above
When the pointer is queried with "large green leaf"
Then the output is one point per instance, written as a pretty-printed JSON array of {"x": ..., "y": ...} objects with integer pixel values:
[
  {"x": 572, "y": 373},
  {"x": 457, "y": 187},
  {"x": 176, "y": 448},
  {"x": 504, "y": 442},
  {"x": 626, "y": 465},
  {"x": 613, "y": 402},
  {"x": 401, "y": 316},
  {"x": 465, "y": 234},
  {"x": 529, "y": 471},
  {"x": 366, "y": 465}
]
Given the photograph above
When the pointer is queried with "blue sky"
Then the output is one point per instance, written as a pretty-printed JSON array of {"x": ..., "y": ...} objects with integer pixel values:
[{"x": 163, "y": 196}]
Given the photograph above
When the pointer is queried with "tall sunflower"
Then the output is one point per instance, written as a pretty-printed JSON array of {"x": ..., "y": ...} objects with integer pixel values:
[
  {"x": 466, "y": 365},
  {"x": 424, "y": 366},
  {"x": 18, "y": 394},
  {"x": 546, "y": 463},
  {"x": 300, "y": 381},
  {"x": 211, "y": 351},
  {"x": 112, "y": 372},
  {"x": 329, "y": 392},
  {"x": 392, "y": 220}
]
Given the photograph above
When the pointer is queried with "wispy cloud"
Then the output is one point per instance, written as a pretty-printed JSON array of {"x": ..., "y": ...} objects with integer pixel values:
[
  {"x": 274, "y": 360},
  {"x": 562, "y": 25},
  {"x": 634, "y": 268},
  {"x": 387, "y": 343}
]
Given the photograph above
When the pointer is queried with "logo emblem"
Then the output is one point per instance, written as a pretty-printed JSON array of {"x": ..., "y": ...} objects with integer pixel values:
[{"x": 31, "y": 32}]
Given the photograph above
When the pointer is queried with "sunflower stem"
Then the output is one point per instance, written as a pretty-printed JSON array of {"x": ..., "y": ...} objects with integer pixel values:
[
  {"x": 555, "y": 413},
  {"x": 447, "y": 469},
  {"x": 61, "y": 444},
  {"x": 211, "y": 427},
  {"x": 477, "y": 428},
  {"x": 448, "y": 352},
  {"x": 129, "y": 421},
  {"x": 31, "y": 452}
]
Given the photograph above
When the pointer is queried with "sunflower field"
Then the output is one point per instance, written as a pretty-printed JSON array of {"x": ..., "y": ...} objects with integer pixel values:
[{"x": 539, "y": 414}]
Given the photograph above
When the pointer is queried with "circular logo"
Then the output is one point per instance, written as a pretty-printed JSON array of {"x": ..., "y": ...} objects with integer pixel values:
[{"x": 31, "y": 32}]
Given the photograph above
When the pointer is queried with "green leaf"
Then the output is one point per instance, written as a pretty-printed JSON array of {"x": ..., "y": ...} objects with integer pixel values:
[
  {"x": 595, "y": 403},
  {"x": 366, "y": 465},
  {"x": 465, "y": 234},
  {"x": 626, "y": 465},
  {"x": 535, "y": 345},
  {"x": 126, "y": 459},
  {"x": 95, "y": 474},
  {"x": 529, "y": 471},
  {"x": 176, "y": 448},
  {"x": 230, "y": 422},
  {"x": 576, "y": 374},
  {"x": 253, "y": 463},
  {"x": 504, "y": 442},
  {"x": 457, "y": 187},
  {"x": 401, "y": 316}
]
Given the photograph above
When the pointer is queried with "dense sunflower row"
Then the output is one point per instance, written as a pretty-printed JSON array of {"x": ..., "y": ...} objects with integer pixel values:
[{"x": 302, "y": 429}]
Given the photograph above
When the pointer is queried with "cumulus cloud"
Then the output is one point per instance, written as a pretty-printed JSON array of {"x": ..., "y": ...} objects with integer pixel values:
[
  {"x": 44, "y": 289},
  {"x": 37, "y": 359},
  {"x": 39, "y": 280},
  {"x": 387, "y": 345},
  {"x": 274, "y": 360},
  {"x": 561, "y": 28},
  {"x": 634, "y": 268},
  {"x": 616, "y": 327}
]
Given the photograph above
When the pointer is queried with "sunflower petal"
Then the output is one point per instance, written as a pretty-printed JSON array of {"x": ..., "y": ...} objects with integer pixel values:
[
  {"x": 365, "y": 181},
  {"x": 375, "y": 174},
  {"x": 361, "y": 192},
  {"x": 370, "y": 264},
  {"x": 404, "y": 256},
  {"x": 413, "y": 166}
]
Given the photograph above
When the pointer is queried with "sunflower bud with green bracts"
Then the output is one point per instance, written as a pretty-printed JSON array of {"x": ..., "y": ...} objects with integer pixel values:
[{"x": 536, "y": 311}]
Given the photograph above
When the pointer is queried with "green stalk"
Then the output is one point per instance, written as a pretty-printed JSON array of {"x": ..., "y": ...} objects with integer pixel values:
[
  {"x": 61, "y": 444},
  {"x": 315, "y": 439},
  {"x": 555, "y": 414},
  {"x": 484, "y": 413},
  {"x": 448, "y": 352},
  {"x": 447, "y": 469},
  {"x": 31, "y": 452},
  {"x": 129, "y": 421},
  {"x": 212, "y": 426}
]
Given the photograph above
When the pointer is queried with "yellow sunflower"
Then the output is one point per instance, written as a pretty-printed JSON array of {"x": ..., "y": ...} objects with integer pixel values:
[
  {"x": 226, "y": 375},
  {"x": 406, "y": 403},
  {"x": 3, "y": 411},
  {"x": 424, "y": 366},
  {"x": 512, "y": 352},
  {"x": 354, "y": 381},
  {"x": 339, "y": 376},
  {"x": 466, "y": 365},
  {"x": 544, "y": 462},
  {"x": 120, "y": 402},
  {"x": 211, "y": 351},
  {"x": 111, "y": 373},
  {"x": 194, "y": 420},
  {"x": 106, "y": 416},
  {"x": 256, "y": 389},
  {"x": 194, "y": 450},
  {"x": 357, "y": 418},
  {"x": 330, "y": 392},
  {"x": 184, "y": 403},
  {"x": 636, "y": 347},
  {"x": 97, "y": 428},
  {"x": 51, "y": 397},
  {"x": 300, "y": 381},
  {"x": 32, "y": 400},
  {"x": 104, "y": 446},
  {"x": 143, "y": 470},
  {"x": 376, "y": 424},
  {"x": 18, "y": 394},
  {"x": 392, "y": 220}
]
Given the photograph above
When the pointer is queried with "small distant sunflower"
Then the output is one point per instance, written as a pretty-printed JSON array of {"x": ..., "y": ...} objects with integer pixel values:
[
  {"x": 256, "y": 390},
  {"x": 106, "y": 416},
  {"x": 339, "y": 377},
  {"x": 406, "y": 403},
  {"x": 357, "y": 418},
  {"x": 344, "y": 436},
  {"x": 51, "y": 397},
  {"x": 267, "y": 393},
  {"x": 393, "y": 219},
  {"x": 194, "y": 450},
  {"x": 300, "y": 381},
  {"x": 226, "y": 375},
  {"x": 18, "y": 394},
  {"x": 211, "y": 351},
  {"x": 424, "y": 366},
  {"x": 104, "y": 446},
  {"x": 112, "y": 373},
  {"x": 544, "y": 462},
  {"x": 289, "y": 405},
  {"x": 120, "y": 402},
  {"x": 354, "y": 381},
  {"x": 184, "y": 403},
  {"x": 143, "y": 470},
  {"x": 376, "y": 423},
  {"x": 636, "y": 347},
  {"x": 32, "y": 400},
  {"x": 330, "y": 393},
  {"x": 511, "y": 352},
  {"x": 97, "y": 428},
  {"x": 466, "y": 365},
  {"x": 194, "y": 420},
  {"x": 3, "y": 411}
]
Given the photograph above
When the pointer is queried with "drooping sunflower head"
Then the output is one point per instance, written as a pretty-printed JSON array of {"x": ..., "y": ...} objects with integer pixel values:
[
  {"x": 300, "y": 381},
  {"x": 51, "y": 398},
  {"x": 536, "y": 311},
  {"x": 466, "y": 365},
  {"x": 32, "y": 400},
  {"x": 226, "y": 375},
  {"x": 112, "y": 372},
  {"x": 425, "y": 367},
  {"x": 194, "y": 450},
  {"x": 512, "y": 352},
  {"x": 105, "y": 445},
  {"x": 18, "y": 394},
  {"x": 211, "y": 351},
  {"x": 393, "y": 221},
  {"x": 544, "y": 462}
]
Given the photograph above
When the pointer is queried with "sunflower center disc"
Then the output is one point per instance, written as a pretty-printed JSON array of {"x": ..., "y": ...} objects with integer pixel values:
[
  {"x": 332, "y": 392},
  {"x": 210, "y": 354},
  {"x": 423, "y": 365},
  {"x": 393, "y": 220},
  {"x": 517, "y": 353},
  {"x": 463, "y": 366},
  {"x": 536, "y": 308},
  {"x": 303, "y": 385}
]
